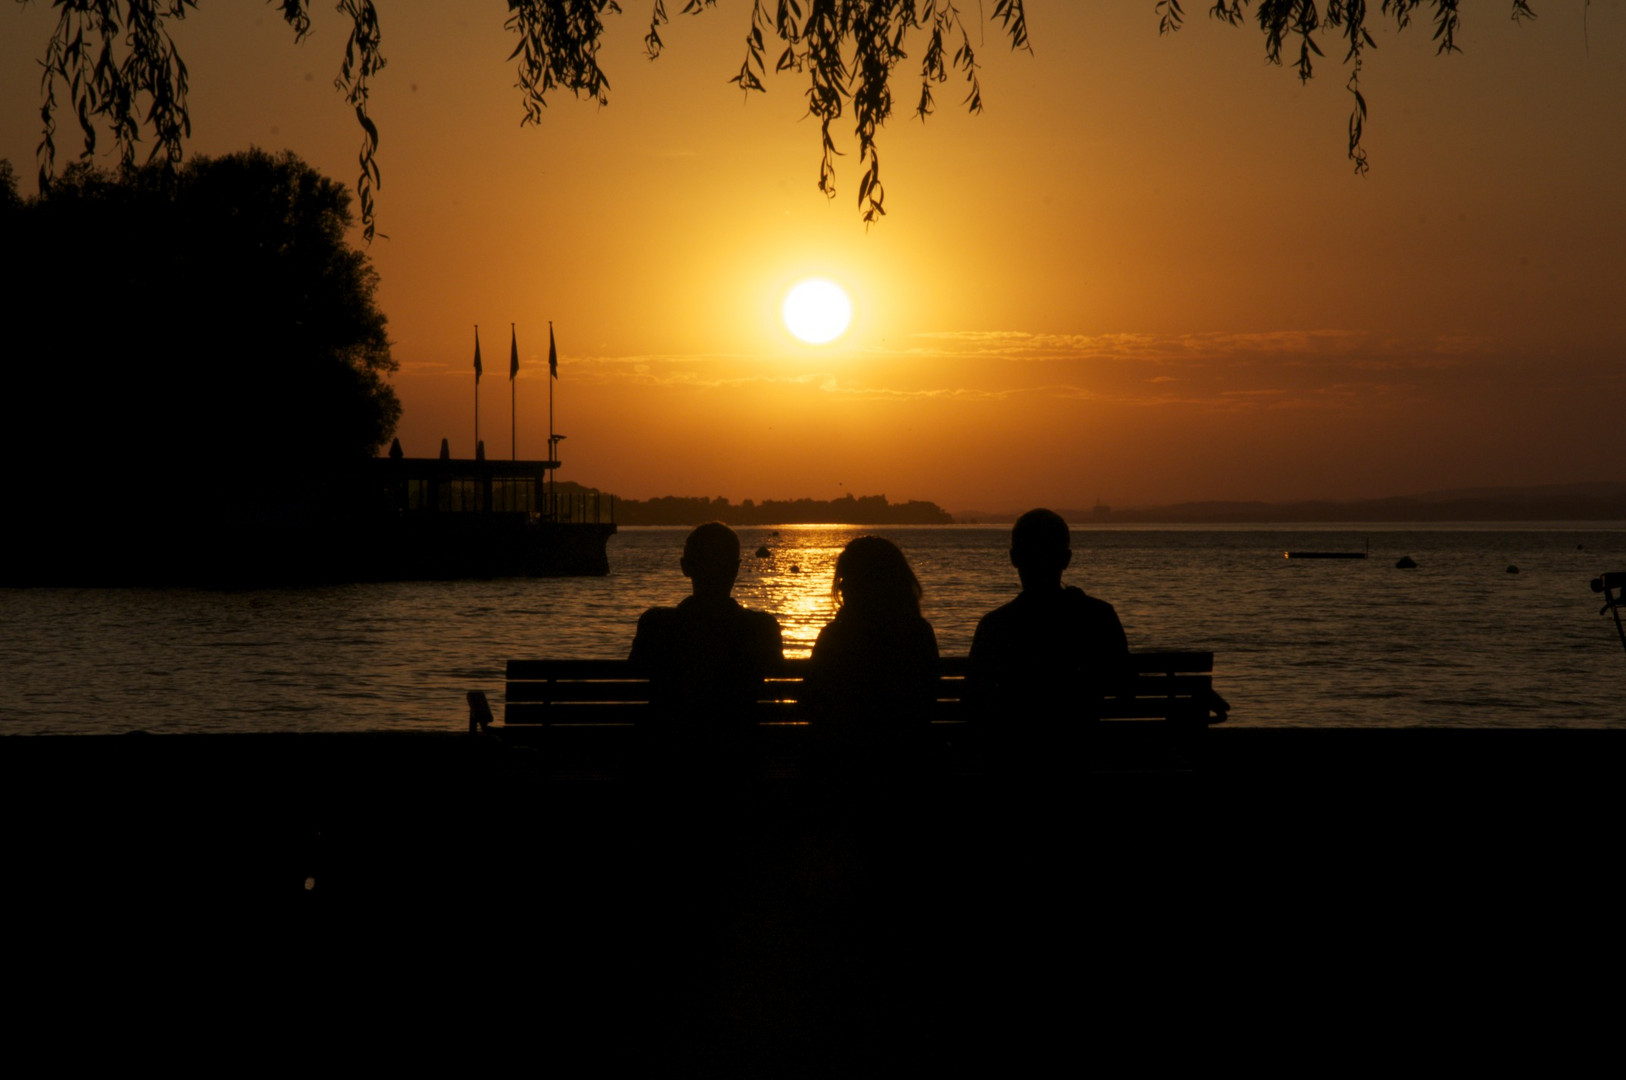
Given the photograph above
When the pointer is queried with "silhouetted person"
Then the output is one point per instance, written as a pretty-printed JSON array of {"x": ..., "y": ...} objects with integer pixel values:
[
  {"x": 873, "y": 676},
  {"x": 871, "y": 685},
  {"x": 690, "y": 834},
  {"x": 1040, "y": 664},
  {"x": 706, "y": 657}
]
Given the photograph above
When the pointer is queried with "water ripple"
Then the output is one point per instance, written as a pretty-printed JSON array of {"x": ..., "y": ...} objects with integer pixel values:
[{"x": 1456, "y": 641}]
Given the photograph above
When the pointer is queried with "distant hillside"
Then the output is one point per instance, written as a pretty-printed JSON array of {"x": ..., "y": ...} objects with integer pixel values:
[
  {"x": 692, "y": 510},
  {"x": 1602, "y": 501}
]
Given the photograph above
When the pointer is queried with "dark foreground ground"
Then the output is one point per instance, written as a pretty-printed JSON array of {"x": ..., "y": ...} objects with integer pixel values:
[{"x": 1267, "y": 899}]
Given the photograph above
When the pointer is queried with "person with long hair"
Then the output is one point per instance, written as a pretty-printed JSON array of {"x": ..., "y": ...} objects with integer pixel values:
[{"x": 873, "y": 676}]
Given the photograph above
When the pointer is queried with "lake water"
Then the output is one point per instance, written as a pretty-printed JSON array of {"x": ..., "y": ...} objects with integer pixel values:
[{"x": 1457, "y": 641}]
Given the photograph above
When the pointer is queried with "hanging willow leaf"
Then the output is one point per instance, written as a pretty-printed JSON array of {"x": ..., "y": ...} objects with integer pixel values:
[
  {"x": 1280, "y": 19},
  {"x": 121, "y": 69}
]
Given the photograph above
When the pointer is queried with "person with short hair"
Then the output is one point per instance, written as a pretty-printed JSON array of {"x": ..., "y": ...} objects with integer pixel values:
[
  {"x": 1040, "y": 664},
  {"x": 706, "y": 657}
]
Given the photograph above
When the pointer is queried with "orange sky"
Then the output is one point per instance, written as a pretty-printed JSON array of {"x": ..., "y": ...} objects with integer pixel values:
[{"x": 1144, "y": 274}]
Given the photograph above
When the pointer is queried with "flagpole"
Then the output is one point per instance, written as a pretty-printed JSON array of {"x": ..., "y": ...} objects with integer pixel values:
[
  {"x": 553, "y": 443},
  {"x": 513, "y": 394}
]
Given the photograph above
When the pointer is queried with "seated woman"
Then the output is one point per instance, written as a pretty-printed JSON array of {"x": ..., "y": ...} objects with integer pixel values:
[{"x": 873, "y": 676}]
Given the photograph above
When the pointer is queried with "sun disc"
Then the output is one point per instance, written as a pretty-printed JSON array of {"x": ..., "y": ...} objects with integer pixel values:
[{"x": 817, "y": 311}]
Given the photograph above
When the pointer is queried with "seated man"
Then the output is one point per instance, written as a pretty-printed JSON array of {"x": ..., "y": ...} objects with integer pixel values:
[
  {"x": 1040, "y": 664},
  {"x": 707, "y": 656}
]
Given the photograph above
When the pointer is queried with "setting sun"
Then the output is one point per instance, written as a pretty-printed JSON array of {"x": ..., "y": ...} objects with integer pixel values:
[
  {"x": 817, "y": 311},
  {"x": 1074, "y": 299}
]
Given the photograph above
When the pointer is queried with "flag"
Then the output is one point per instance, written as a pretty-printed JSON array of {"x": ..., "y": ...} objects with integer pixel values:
[
  {"x": 513, "y": 353},
  {"x": 478, "y": 370},
  {"x": 553, "y": 354}
]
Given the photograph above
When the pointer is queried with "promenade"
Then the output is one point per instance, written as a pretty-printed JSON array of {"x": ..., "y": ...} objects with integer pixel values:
[{"x": 1277, "y": 890}]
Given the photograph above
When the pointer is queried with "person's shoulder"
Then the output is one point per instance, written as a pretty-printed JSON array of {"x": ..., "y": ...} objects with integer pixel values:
[
  {"x": 761, "y": 618},
  {"x": 917, "y": 628},
  {"x": 830, "y": 631},
  {"x": 1077, "y": 598},
  {"x": 1002, "y": 614},
  {"x": 1099, "y": 620},
  {"x": 996, "y": 628},
  {"x": 654, "y": 635},
  {"x": 761, "y": 624},
  {"x": 657, "y": 616},
  {"x": 744, "y": 619},
  {"x": 836, "y": 636}
]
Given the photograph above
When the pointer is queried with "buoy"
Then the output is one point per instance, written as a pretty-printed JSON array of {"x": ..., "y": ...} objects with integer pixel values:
[
  {"x": 795, "y": 569},
  {"x": 762, "y": 552},
  {"x": 1513, "y": 569},
  {"x": 1406, "y": 563}
]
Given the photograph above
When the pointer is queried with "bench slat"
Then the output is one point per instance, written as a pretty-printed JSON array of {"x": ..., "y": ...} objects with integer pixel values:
[
  {"x": 565, "y": 690},
  {"x": 575, "y": 712},
  {"x": 621, "y": 712},
  {"x": 1171, "y": 662},
  {"x": 1186, "y": 662},
  {"x": 1147, "y": 685},
  {"x": 1163, "y": 685}
]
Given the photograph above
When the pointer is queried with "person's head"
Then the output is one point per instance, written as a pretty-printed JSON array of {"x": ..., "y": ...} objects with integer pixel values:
[
  {"x": 873, "y": 578},
  {"x": 711, "y": 558},
  {"x": 1041, "y": 548}
]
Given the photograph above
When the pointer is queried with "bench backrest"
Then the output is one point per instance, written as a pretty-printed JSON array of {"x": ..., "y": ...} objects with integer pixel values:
[{"x": 1161, "y": 686}]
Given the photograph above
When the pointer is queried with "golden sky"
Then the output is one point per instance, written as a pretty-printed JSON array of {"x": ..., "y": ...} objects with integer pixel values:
[{"x": 1144, "y": 274}]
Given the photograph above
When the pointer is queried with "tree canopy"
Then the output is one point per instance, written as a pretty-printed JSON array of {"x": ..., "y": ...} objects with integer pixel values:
[
  {"x": 119, "y": 67},
  {"x": 211, "y": 342}
]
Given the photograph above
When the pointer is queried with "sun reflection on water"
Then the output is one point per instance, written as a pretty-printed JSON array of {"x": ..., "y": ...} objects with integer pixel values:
[
  {"x": 793, "y": 579},
  {"x": 1351, "y": 644}
]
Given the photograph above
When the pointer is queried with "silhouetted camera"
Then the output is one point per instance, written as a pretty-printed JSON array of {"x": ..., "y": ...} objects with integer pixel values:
[{"x": 1615, "y": 579}]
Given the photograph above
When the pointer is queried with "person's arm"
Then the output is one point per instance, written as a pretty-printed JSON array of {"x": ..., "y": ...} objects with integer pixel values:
[
  {"x": 1119, "y": 641},
  {"x": 1114, "y": 662},
  {"x": 925, "y": 673},
  {"x": 772, "y": 642},
  {"x": 816, "y": 683},
  {"x": 643, "y": 647},
  {"x": 981, "y": 676}
]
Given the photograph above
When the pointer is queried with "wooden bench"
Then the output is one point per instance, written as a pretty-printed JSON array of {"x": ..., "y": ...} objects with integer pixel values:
[{"x": 1174, "y": 687}]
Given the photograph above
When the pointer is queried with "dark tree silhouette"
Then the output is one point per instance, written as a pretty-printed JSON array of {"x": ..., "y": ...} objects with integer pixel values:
[{"x": 210, "y": 349}]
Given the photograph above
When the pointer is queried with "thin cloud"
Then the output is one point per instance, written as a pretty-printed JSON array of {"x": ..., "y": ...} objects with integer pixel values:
[{"x": 1219, "y": 371}]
